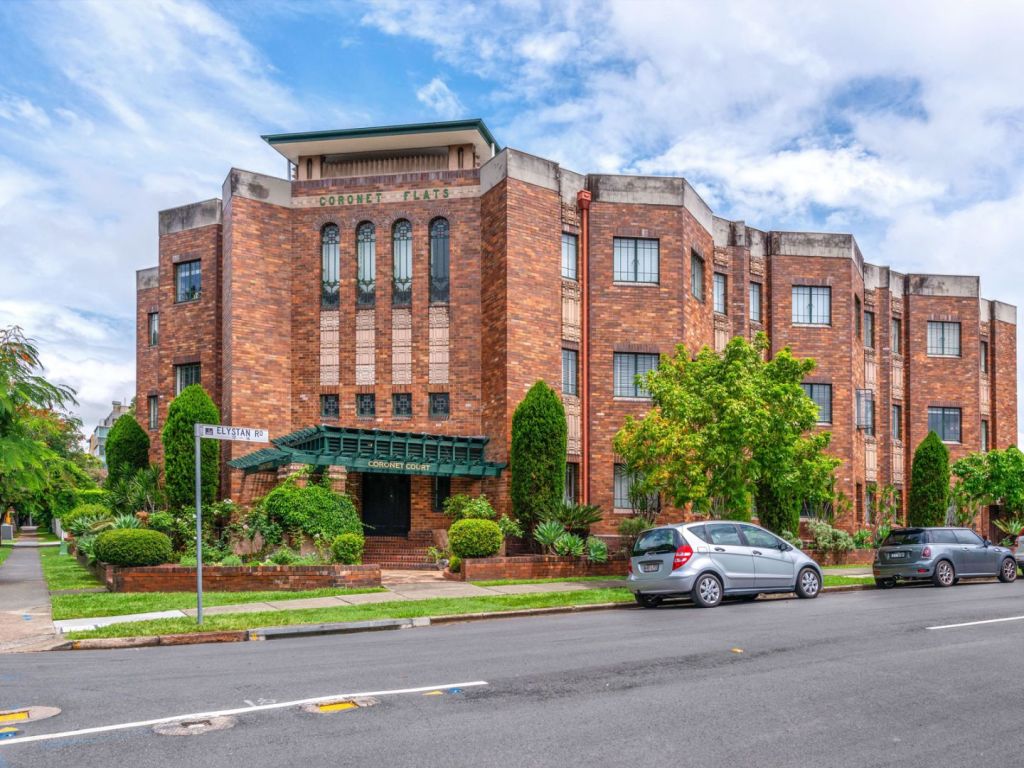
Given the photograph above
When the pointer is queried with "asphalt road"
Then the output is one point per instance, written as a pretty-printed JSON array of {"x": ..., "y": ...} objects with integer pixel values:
[{"x": 851, "y": 679}]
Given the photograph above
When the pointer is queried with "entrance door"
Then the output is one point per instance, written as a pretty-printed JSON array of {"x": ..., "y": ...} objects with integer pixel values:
[{"x": 386, "y": 504}]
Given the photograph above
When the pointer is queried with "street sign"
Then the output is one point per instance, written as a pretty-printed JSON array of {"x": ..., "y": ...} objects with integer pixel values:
[{"x": 225, "y": 432}]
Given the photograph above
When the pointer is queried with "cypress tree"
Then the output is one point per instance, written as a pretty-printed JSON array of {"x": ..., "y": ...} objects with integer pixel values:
[
  {"x": 537, "y": 456},
  {"x": 192, "y": 406},
  {"x": 127, "y": 449},
  {"x": 929, "y": 483}
]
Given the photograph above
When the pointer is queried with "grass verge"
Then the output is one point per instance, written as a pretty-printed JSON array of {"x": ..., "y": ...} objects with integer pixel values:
[
  {"x": 510, "y": 582},
  {"x": 843, "y": 581},
  {"x": 64, "y": 571},
  {"x": 5, "y": 552},
  {"x": 397, "y": 610}
]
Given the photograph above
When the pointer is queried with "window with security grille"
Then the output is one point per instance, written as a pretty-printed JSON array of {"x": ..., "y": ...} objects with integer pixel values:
[
  {"x": 185, "y": 376},
  {"x": 440, "y": 405},
  {"x": 812, "y": 305},
  {"x": 572, "y": 479},
  {"x": 329, "y": 406},
  {"x": 896, "y": 336},
  {"x": 869, "y": 330},
  {"x": 945, "y": 422},
  {"x": 366, "y": 265},
  {"x": 623, "y": 490},
  {"x": 628, "y": 366},
  {"x": 330, "y": 266},
  {"x": 401, "y": 276},
  {"x": 442, "y": 490},
  {"x": 154, "y": 328},
  {"x": 152, "y": 405},
  {"x": 720, "y": 285},
  {"x": 636, "y": 260},
  {"x": 569, "y": 369},
  {"x": 366, "y": 405},
  {"x": 897, "y": 422},
  {"x": 696, "y": 276},
  {"x": 569, "y": 256},
  {"x": 188, "y": 281},
  {"x": 821, "y": 394},
  {"x": 440, "y": 277},
  {"x": 401, "y": 405},
  {"x": 865, "y": 404},
  {"x": 755, "y": 302},
  {"x": 943, "y": 339}
]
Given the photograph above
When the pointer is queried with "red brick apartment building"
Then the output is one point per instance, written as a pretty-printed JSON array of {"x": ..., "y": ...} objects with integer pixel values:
[{"x": 385, "y": 308}]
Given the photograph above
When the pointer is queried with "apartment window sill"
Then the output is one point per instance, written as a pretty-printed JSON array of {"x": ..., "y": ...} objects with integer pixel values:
[{"x": 635, "y": 284}]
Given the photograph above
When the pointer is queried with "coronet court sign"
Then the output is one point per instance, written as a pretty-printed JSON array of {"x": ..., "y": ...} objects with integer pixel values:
[{"x": 214, "y": 432}]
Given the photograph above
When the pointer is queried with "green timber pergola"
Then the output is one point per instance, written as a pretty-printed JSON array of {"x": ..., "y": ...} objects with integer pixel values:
[{"x": 373, "y": 450}]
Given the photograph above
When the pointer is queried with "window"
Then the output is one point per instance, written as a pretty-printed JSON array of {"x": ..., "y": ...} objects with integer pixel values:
[
  {"x": 896, "y": 336},
  {"x": 401, "y": 405},
  {"x": 821, "y": 394},
  {"x": 366, "y": 265},
  {"x": 856, "y": 316},
  {"x": 943, "y": 339},
  {"x": 154, "y": 328},
  {"x": 755, "y": 537},
  {"x": 636, "y": 260},
  {"x": 627, "y": 367},
  {"x": 970, "y": 538},
  {"x": 812, "y": 305},
  {"x": 945, "y": 422},
  {"x": 188, "y": 280},
  {"x": 623, "y": 482},
  {"x": 329, "y": 406},
  {"x": 440, "y": 278},
  {"x": 942, "y": 536},
  {"x": 696, "y": 276},
  {"x": 866, "y": 411},
  {"x": 897, "y": 422},
  {"x": 984, "y": 357},
  {"x": 572, "y": 481},
  {"x": 869, "y": 505},
  {"x": 569, "y": 256},
  {"x": 570, "y": 359},
  {"x": 442, "y": 490},
  {"x": 440, "y": 406},
  {"x": 152, "y": 406},
  {"x": 401, "y": 277},
  {"x": 719, "y": 289},
  {"x": 984, "y": 436},
  {"x": 185, "y": 375},
  {"x": 366, "y": 406},
  {"x": 869, "y": 330},
  {"x": 330, "y": 266},
  {"x": 755, "y": 302},
  {"x": 724, "y": 534}
]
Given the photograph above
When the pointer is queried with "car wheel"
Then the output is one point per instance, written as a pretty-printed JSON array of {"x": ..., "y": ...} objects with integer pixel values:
[
  {"x": 707, "y": 591},
  {"x": 944, "y": 575},
  {"x": 1008, "y": 570},
  {"x": 648, "y": 601},
  {"x": 885, "y": 583},
  {"x": 808, "y": 584}
]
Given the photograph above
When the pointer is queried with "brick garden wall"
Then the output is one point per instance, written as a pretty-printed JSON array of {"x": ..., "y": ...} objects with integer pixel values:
[
  {"x": 537, "y": 567},
  {"x": 177, "y": 578}
]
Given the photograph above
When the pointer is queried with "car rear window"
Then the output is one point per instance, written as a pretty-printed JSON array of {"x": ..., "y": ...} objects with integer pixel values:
[
  {"x": 908, "y": 536},
  {"x": 657, "y": 542}
]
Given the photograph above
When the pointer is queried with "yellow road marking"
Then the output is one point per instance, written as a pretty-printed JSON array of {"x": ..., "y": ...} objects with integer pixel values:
[
  {"x": 338, "y": 706},
  {"x": 13, "y": 717}
]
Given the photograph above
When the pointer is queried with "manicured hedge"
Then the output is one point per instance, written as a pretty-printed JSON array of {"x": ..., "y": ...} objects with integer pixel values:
[
  {"x": 83, "y": 510},
  {"x": 127, "y": 450},
  {"x": 929, "y": 483},
  {"x": 133, "y": 547},
  {"x": 314, "y": 511},
  {"x": 475, "y": 538}
]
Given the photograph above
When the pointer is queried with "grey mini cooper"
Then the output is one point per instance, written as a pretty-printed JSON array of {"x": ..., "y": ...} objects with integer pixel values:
[
  {"x": 940, "y": 555},
  {"x": 711, "y": 560}
]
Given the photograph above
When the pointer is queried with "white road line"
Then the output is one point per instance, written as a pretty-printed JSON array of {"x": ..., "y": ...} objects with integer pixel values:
[
  {"x": 237, "y": 711},
  {"x": 976, "y": 623}
]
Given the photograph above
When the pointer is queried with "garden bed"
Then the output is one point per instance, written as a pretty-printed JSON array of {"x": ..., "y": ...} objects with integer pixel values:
[{"x": 534, "y": 567}]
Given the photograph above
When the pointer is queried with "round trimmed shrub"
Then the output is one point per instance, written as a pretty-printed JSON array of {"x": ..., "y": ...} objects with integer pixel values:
[
  {"x": 133, "y": 547},
  {"x": 348, "y": 548},
  {"x": 475, "y": 538}
]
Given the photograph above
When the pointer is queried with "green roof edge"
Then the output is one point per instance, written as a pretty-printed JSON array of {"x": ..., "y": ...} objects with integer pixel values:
[{"x": 385, "y": 130}]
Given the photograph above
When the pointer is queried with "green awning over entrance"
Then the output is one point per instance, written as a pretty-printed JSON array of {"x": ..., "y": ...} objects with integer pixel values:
[{"x": 373, "y": 450}]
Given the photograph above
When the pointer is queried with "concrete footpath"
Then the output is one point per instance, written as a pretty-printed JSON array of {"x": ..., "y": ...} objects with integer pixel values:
[{"x": 24, "y": 600}]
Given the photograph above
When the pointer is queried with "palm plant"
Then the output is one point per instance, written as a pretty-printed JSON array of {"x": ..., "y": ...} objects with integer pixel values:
[
  {"x": 547, "y": 533},
  {"x": 1012, "y": 527},
  {"x": 577, "y": 518}
]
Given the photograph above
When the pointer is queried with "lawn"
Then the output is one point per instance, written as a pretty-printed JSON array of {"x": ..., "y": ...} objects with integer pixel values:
[
  {"x": 5, "y": 551},
  {"x": 397, "y": 610},
  {"x": 64, "y": 571},
  {"x": 508, "y": 582},
  {"x": 843, "y": 581}
]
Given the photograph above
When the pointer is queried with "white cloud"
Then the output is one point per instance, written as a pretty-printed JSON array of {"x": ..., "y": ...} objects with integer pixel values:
[{"x": 438, "y": 97}]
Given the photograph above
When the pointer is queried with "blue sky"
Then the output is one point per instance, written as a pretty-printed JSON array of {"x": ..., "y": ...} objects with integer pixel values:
[{"x": 900, "y": 122}]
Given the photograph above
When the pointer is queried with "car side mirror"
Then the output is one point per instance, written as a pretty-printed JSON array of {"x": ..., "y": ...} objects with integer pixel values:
[
  {"x": 988, "y": 542},
  {"x": 784, "y": 547}
]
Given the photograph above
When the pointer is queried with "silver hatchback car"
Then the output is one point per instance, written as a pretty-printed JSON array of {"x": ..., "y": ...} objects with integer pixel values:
[
  {"x": 941, "y": 555},
  {"x": 711, "y": 560}
]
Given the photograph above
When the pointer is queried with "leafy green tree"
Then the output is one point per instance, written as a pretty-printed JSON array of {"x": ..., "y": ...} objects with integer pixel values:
[
  {"x": 993, "y": 478},
  {"x": 929, "y": 483},
  {"x": 726, "y": 429},
  {"x": 127, "y": 450},
  {"x": 192, "y": 406},
  {"x": 537, "y": 456}
]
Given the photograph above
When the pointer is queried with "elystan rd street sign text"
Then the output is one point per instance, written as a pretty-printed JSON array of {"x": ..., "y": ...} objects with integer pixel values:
[{"x": 225, "y": 432}]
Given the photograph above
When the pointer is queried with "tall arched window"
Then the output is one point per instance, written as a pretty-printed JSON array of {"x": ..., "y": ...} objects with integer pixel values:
[
  {"x": 439, "y": 276},
  {"x": 330, "y": 265},
  {"x": 401, "y": 249},
  {"x": 366, "y": 264}
]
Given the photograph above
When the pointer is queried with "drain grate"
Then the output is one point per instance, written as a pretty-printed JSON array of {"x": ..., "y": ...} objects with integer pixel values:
[{"x": 194, "y": 727}]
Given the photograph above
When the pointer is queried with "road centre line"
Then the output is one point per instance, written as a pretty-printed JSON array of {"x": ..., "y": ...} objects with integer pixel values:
[
  {"x": 976, "y": 623},
  {"x": 236, "y": 711}
]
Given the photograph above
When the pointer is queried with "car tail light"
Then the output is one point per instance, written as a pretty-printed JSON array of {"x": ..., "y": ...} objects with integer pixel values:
[
  {"x": 682, "y": 556},
  {"x": 926, "y": 552},
  {"x": 630, "y": 566}
]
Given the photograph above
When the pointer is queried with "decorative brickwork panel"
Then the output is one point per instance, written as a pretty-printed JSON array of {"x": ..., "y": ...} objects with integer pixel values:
[
  {"x": 897, "y": 379},
  {"x": 572, "y": 418},
  {"x": 897, "y": 462},
  {"x": 329, "y": 348},
  {"x": 366, "y": 372},
  {"x": 870, "y": 461},
  {"x": 439, "y": 345},
  {"x": 757, "y": 265},
  {"x": 985, "y": 396},
  {"x": 722, "y": 258},
  {"x": 570, "y": 215},
  {"x": 870, "y": 372},
  {"x": 401, "y": 346},
  {"x": 570, "y": 310}
]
